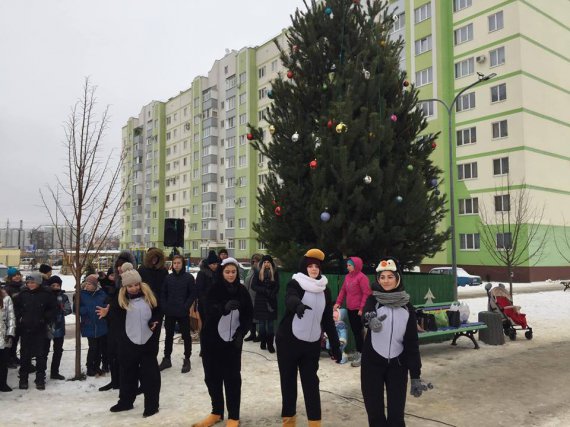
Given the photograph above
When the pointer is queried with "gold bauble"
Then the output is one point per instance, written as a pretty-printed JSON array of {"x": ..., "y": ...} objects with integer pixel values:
[
  {"x": 341, "y": 128},
  {"x": 271, "y": 129}
]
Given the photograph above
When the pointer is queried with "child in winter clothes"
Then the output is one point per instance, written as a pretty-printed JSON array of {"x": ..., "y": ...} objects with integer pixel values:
[
  {"x": 63, "y": 308},
  {"x": 228, "y": 318},
  {"x": 308, "y": 313},
  {"x": 92, "y": 327},
  {"x": 342, "y": 332},
  {"x": 266, "y": 286},
  {"x": 390, "y": 348},
  {"x": 356, "y": 289},
  {"x": 7, "y": 332},
  {"x": 135, "y": 312}
]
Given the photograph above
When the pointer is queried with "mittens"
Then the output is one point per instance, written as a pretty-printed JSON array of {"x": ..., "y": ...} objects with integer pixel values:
[
  {"x": 417, "y": 387},
  {"x": 374, "y": 323},
  {"x": 231, "y": 305},
  {"x": 301, "y": 309}
]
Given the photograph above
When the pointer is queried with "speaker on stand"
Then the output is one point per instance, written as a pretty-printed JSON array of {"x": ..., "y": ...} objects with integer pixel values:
[{"x": 174, "y": 232}]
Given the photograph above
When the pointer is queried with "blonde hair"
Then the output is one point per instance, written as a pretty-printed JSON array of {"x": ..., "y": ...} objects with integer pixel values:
[
  {"x": 261, "y": 272},
  {"x": 147, "y": 292}
]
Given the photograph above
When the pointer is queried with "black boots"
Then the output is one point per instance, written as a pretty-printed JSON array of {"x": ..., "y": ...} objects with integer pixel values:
[
  {"x": 252, "y": 334},
  {"x": 165, "y": 364},
  {"x": 185, "y": 366},
  {"x": 269, "y": 342},
  {"x": 119, "y": 407},
  {"x": 263, "y": 342}
]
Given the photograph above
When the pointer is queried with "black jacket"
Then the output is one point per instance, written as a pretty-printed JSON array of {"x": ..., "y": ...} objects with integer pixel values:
[
  {"x": 34, "y": 310},
  {"x": 204, "y": 281},
  {"x": 178, "y": 293},
  {"x": 12, "y": 288},
  {"x": 266, "y": 291},
  {"x": 154, "y": 274}
]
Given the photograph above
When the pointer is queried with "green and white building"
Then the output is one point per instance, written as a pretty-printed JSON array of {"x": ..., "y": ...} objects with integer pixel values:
[{"x": 189, "y": 157}]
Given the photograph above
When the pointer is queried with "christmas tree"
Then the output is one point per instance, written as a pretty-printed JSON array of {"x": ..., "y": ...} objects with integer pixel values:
[{"x": 348, "y": 172}]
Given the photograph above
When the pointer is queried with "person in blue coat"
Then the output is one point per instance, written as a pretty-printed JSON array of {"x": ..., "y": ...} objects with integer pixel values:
[
  {"x": 63, "y": 308},
  {"x": 92, "y": 327}
]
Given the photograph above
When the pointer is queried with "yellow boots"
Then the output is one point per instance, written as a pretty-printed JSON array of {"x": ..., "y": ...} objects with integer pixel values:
[
  {"x": 210, "y": 420},
  {"x": 315, "y": 423},
  {"x": 290, "y": 421},
  {"x": 232, "y": 423}
]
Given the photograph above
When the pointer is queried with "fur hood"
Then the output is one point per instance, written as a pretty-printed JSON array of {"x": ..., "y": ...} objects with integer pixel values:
[{"x": 151, "y": 253}]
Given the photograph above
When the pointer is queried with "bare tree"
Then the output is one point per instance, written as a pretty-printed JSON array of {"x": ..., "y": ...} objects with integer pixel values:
[
  {"x": 512, "y": 230},
  {"x": 87, "y": 198}
]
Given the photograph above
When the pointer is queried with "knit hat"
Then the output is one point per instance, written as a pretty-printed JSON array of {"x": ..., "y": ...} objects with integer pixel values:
[
  {"x": 230, "y": 260},
  {"x": 110, "y": 271},
  {"x": 391, "y": 264},
  {"x": 212, "y": 258},
  {"x": 44, "y": 268},
  {"x": 223, "y": 251},
  {"x": 54, "y": 279},
  {"x": 12, "y": 271},
  {"x": 266, "y": 258},
  {"x": 314, "y": 256},
  {"x": 92, "y": 279},
  {"x": 351, "y": 262},
  {"x": 34, "y": 277},
  {"x": 130, "y": 276}
]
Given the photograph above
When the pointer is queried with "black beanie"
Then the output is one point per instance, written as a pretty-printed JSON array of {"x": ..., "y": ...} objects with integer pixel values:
[
  {"x": 44, "y": 268},
  {"x": 212, "y": 258},
  {"x": 54, "y": 279}
]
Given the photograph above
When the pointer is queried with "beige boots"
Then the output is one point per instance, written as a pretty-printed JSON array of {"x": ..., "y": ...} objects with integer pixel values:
[
  {"x": 210, "y": 420},
  {"x": 316, "y": 423},
  {"x": 292, "y": 422}
]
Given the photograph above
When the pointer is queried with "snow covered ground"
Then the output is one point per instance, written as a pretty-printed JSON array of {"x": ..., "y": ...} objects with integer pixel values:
[{"x": 519, "y": 383}]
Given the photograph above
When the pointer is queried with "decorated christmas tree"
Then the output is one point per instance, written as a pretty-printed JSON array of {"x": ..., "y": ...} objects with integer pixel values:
[{"x": 349, "y": 172}]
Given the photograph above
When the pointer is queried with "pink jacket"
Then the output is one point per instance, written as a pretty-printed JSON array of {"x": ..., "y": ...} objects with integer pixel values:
[{"x": 355, "y": 287}]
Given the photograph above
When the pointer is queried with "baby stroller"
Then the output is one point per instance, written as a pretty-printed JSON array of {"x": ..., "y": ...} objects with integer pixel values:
[{"x": 513, "y": 320}]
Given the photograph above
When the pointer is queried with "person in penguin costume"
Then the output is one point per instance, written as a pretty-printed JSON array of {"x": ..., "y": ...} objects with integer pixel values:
[
  {"x": 228, "y": 316},
  {"x": 390, "y": 349},
  {"x": 308, "y": 312}
]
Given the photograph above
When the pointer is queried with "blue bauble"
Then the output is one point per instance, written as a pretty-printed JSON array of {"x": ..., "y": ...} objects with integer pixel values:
[
  {"x": 437, "y": 192},
  {"x": 433, "y": 182},
  {"x": 325, "y": 216},
  {"x": 328, "y": 10}
]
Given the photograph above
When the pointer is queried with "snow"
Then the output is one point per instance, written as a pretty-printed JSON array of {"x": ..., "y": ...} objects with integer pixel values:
[{"x": 519, "y": 383}]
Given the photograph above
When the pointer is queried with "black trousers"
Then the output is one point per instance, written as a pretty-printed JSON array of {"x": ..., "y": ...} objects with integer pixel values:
[
  {"x": 95, "y": 353},
  {"x": 375, "y": 373},
  {"x": 57, "y": 353},
  {"x": 4, "y": 358},
  {"x": 303, "y": 357},
  {"x": 222, "y": 370},
  {"x": 138, "y": 362},
  {"x": 184, "y": 325},
  {"x": 33, "y": 345},
  {"x": 357, "y": 328},
  {"x": 113, "y": 359}
]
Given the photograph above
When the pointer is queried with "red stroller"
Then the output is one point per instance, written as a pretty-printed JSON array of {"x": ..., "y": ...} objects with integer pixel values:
[{"x": 513, "y": 320}]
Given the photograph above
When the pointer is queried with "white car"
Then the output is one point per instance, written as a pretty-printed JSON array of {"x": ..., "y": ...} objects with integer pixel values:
[{"x": 463, "y": 278}]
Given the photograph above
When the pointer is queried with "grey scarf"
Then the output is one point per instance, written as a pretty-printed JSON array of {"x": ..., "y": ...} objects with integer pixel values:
[{"x": 392, "y": 299}]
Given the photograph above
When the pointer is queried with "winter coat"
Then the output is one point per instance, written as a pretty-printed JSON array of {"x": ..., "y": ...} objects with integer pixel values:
[
  {"x": 356, "y": 287},
  {"x": 154, "y": 274},
  {"x": 35, "y": 310},
  {"x": 294, "y": 295},
  {"x": 91, "y": 325},
  {"x": 266, "y": 291},
  {"x": 113, "y": 330},
  {"x": 7, "y": 321},
  {"x": 220, "y": 327},
  {"x": 63, "y": 309},
  {"x": 127, "y": 257},
  {"x": 13, "y": 288},
  {"x": 178, "y": 293},
  {"x": 204, "y": 281},
  {"x": 248, "y": 279}
]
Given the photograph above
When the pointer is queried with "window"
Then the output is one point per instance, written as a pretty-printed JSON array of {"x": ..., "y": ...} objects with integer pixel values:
[
  {"x": 168, "y": 136},
  {"x": 242, "y": 140},
  {"x": 463, "y": 34},
  {"x": 168, "y": 120},
  {"x": 423, "y": 45},
  {"x": 231, "y": 103},
  {"x": 231, "y": 244},
  {"x": 262, "y": 179},
  {"x": 461, "y": 4},
  {"x": 501, "y": 166},
  {"x": 261, "y": 245},
  {"x": 242, "y": 119},
  {"x": 503, "y": 203},
  {"x": 422, "y": 13},
  {"x": 196, "y": 102},
  {"x": 242, "y": 244},
  {"x": 496, "y": 21},
  {"x": 274, "y": 65},
  {"x": 466, "y": 102},
  {"x": 261, "y": 72},
  {"x": 242, "y": 78},
  {"x": 504, "y": 241},
  {"x": 500, "y": 129},
  {"x": 469, "y": 242},
  {"x": 194, "y": 245},
  {"x": 242, "y": 98},
  {"x": 466, "y": 136},
  {"x": 262, "y": 93},
  {"x": 499, "y": 92},
  {"x": 231, "y": 82},
  {"x": 497, "y": 56},
  {"x": 230, "y": 223},
  {"x": 467, "y": 171},
  {"x": 399, "y": 23},
  {"x": 231, "y": 142},
  {"x": 230, "y": 182},
  {"x": 231, "y": 123},
  {"x": 424, "y": 77},
  {"x": 469, "y": 206},
  {"x": 426, "y": 107},
  {"x": 464, "y": 68},
  {"x": 242, "y": 223},
  {"x": 242, "y": 161},
  {"x": 230, "y": 162}
]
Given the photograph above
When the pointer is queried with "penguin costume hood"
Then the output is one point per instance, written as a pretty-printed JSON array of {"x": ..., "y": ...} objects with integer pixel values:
[{"x": 396, "y": 297}]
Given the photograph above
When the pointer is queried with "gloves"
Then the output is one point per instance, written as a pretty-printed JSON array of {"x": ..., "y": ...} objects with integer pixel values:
[
  {"x": 300, "y": 310},
  {"x": 231, "y": 305},
  {"x": 418, "y": 387},
  {"x": 374, "y": 323},
  {"x": 238, "y": 340}
]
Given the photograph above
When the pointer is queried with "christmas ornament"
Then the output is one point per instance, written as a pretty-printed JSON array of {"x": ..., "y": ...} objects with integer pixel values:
[
  {"x": 433, "y": 182},
  {"x": 395, "y": 18},
  {"x": 341, "y": 128},
  {"x": 367, "y": 179},
  {"x": 437, "y": 192},
  {"x": 328, "y": 10},
  {"x": 399, "y": 199},
  {"x": 406, "y": 83},
  {"x": 382, "y": 43},
  {"x": 433, "y": 145},
  {"x": 330, "y": 124},
  {"x": 313, "y": 164},
  {"x": 317, "y": 142},
  {"x": 371, "y": 134},
  {"x": 333, "y": 67},
  {"x": 249, "y": 137},
  {"x": 325, "y": 216},
  {"x": 356, "y": 1},
  {"x": 410, "y": 168},
  {"x": 366, "y": 74},
  {"x": 271, "y": 129},
  {"x": 278, "y": 211},
  {"x": 394, "y": 118},
  {"x": 270, "y": 94},
  {"x": 279, "y": 180},
  {"x": 274, "y": 202},
  {"x": 325, "y": 86},
  {"x": 290, "y": 74},
  {"x": 295, "y": 137}
]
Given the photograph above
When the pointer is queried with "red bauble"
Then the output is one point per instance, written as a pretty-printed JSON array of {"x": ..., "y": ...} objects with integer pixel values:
[
  {"x": 313, "y": 164},
  {"x": 290, "y": 74},
  {"x": 406, "y": 83},
  {"x": 433, "y": 145},
  {"x": 330, "y": 124},
  {"x": 249, "y": 136},
  {"x": 278, "y": 211},
  {"x": 356, "y": 1}
]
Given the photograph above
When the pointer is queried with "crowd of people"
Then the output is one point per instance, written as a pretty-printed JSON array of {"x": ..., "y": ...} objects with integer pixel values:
[{"x": 123, "y": 312}]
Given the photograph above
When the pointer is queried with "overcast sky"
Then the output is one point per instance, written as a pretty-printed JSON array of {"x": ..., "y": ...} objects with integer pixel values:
[{"x": 135, "y": 51}]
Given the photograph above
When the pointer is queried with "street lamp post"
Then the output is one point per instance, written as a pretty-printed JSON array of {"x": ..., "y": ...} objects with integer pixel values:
[{"x": 449, "y": 109}]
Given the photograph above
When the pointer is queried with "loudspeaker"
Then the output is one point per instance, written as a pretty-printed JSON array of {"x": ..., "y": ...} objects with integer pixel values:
[{"x": 174, "y": 232}]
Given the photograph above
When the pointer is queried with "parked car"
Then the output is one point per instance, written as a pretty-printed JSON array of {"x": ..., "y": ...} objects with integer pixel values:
[{"x": 463, "y": 278}]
